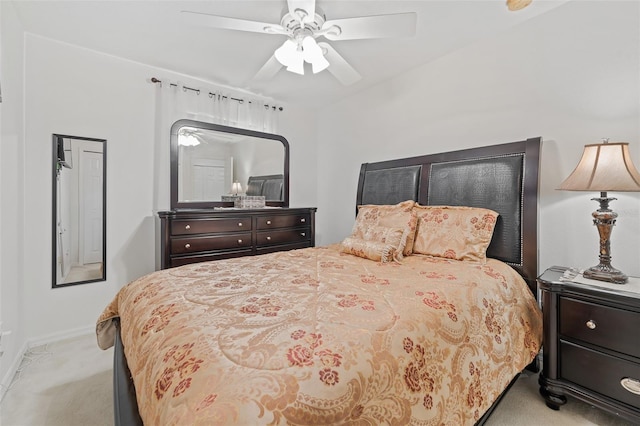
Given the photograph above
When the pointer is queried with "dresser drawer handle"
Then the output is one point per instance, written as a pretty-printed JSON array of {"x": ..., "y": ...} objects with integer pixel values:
[
  {"x": 268, "y": 222},
  {"x": 632, "y": 385},
  {"x": 239, "y": 223},
  {"x": 591, "y": 324},
  {"x": 187, "y": 227},
  {"x": 187, "y": 246},
  {"x": 239, "y": 241},
  {"x": 303, "y": 220},
  {"x": 268, "y": 238},
  {"x": 302, "y": 234}
]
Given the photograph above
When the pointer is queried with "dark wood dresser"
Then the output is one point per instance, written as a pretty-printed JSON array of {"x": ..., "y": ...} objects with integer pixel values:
[
  {"x": 191, "y": 236},
  {"x": 591, "y": 347}
]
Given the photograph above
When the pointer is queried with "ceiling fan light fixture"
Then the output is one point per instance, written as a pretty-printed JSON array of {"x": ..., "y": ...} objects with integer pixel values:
[
  {"x": 320, "y": 65},
  {"x": 188, "y": 140},
  {"x": 288, "y": 53},
  {"x": 313, "y": 54},
  {"x": 296, "y": 66}
]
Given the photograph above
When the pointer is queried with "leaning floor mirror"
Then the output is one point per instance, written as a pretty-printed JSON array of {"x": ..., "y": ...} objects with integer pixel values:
[{"x": 79, "y": 206}]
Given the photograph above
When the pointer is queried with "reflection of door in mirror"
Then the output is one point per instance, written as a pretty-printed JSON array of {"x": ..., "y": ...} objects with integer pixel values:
[
  {"x": 78, "y": 211},
  {"x": 204, "y": 171}
]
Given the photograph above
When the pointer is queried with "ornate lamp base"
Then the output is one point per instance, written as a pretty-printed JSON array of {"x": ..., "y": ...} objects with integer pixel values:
[
  {"x": 604, "y": 219},
  {"x": 603, "y": 273}
]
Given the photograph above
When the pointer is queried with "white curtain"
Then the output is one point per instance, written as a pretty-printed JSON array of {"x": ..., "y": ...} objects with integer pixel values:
[{"x": 176, "y": 101}]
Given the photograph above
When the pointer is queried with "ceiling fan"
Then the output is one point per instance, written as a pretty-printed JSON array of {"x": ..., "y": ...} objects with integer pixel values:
[{"x": 302, "y": 24}]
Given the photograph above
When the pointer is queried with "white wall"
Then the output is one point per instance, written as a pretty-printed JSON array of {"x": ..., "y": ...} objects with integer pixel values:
[
  {"x": 570, "y": 76},
  {"x": 79, "y": 92},
  {"x": 11, "y": 190}
]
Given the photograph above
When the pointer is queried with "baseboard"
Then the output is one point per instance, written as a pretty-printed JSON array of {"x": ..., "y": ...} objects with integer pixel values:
[
  {"x": 13, "y": 369},
  {"x": 55, "y": 337}
]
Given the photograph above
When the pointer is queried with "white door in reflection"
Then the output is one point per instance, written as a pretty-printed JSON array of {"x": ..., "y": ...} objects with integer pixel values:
[
  {"x": 209, "y": 179},
  {"x": 91, "y": 207}
]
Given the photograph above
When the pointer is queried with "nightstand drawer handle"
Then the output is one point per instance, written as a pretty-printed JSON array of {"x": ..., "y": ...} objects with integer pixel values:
[
  {"x": 187, "y": 227},
  {"x": 268, "y": 222},
  {"x": 239, "y": 241},
  {"x": 632, "y": 385},
  {"x": 187, "y": 246},
  {"x": 591, "y": 324},
  {"x": 303, "y": 220},
  {"x": 268, "y": 238},
  {"x": 239, "y": 223}
]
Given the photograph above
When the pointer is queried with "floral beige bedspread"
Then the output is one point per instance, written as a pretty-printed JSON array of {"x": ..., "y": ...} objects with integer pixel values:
[{"x": 315, "y": 336}]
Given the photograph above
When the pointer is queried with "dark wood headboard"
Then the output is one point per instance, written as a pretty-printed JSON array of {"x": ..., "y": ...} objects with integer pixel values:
[{"x": 503, "y": 178}]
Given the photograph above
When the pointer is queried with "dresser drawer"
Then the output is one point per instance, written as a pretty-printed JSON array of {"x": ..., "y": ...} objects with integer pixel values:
[
  {"x": 600, "y": 325},
  {"x": 600, "y": 372},
  {"x": 208, "y": 226},
  {"x": 282, "y": 221},
  {"x": 282, "y": 237},
  {"x": 206, "y": 257},
  {"x": 213, "y": 242}
]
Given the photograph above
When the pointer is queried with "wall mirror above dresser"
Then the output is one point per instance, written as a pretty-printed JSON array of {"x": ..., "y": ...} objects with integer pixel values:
[
  {"x": 79, "y": 206},
  {"x": 210, "y": 162}
]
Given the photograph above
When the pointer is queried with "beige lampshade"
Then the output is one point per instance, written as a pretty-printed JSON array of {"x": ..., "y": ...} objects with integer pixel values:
[
  {"x": 517, "y": 4},
  {"x": 236, "y": 188},
  {"x": 604, "y": 167}
]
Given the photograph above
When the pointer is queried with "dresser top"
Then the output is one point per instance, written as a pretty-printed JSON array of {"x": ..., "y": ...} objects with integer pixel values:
[{"x": 235, "y": 211}]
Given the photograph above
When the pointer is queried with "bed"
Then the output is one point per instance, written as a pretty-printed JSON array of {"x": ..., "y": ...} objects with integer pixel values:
[{"x": 398, "y": 330}]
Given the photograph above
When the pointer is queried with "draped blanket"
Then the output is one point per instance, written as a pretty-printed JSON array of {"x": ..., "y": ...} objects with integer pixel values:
[{"x": 315, "y": 336}]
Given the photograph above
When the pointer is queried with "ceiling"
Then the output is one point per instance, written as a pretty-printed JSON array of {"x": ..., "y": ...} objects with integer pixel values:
[{"x": 152, "y": 32}]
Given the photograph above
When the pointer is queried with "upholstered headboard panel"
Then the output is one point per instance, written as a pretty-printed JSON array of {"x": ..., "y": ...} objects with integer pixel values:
[
  {"x": 270, "y": 186},
  {"x": 503, "y": 178},
  {"x": 483, "y": 182},
  {"x": 391, "y": 186}
]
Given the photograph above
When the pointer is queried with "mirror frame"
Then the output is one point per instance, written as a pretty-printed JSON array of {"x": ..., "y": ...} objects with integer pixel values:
[
  {"x": 54, "y": 215},
  {"x": 176, "y": 204}
]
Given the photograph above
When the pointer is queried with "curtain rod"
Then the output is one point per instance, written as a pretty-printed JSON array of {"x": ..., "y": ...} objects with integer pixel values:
[{"x": 211, "y": 95}]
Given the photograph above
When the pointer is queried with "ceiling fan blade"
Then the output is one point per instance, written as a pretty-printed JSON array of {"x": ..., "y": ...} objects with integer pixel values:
[
  {"x": 339, "y": 67},
  {"x": 222, "y": 22},
  {"x": 309, "y": 6},
  {"x": 380, "y": 26},
  {"x": 269, "y": 69}
]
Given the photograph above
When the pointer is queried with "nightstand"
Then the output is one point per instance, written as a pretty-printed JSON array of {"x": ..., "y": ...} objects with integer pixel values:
[{"x": 591, "y": 343}]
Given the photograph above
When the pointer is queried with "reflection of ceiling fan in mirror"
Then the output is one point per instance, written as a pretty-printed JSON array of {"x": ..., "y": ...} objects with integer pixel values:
[
  {"x": 192, "y": 136},
  {"x": 303, "y": 24}
]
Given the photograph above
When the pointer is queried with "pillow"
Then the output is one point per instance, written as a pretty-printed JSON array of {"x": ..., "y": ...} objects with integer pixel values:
[
  {"x": 452, "y": 232},
  {"x": 397, "y": 216},
  {"x": 373, "y": 250}
]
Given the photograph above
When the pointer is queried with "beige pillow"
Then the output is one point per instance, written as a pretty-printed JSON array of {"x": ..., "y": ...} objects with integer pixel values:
[
  {"x": 452, "y": 232},
  {"x": 397, "y": 216},
  {"x": 373, "y": 250}
]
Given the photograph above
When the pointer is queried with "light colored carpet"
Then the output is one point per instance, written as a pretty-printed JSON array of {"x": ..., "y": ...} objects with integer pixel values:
[{"x": 68, "y": 383}]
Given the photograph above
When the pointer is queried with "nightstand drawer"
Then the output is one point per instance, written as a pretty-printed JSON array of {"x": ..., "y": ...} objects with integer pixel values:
[
  {"x": 600, "y": 325},
  {"x": 600, "y": 372}
]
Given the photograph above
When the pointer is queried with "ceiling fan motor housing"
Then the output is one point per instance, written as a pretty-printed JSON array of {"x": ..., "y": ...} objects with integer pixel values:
[{"x": 298, "y": 26}]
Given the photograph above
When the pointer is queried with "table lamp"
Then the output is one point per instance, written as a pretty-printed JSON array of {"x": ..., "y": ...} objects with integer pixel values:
[{"x": 604, "y": 167}]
